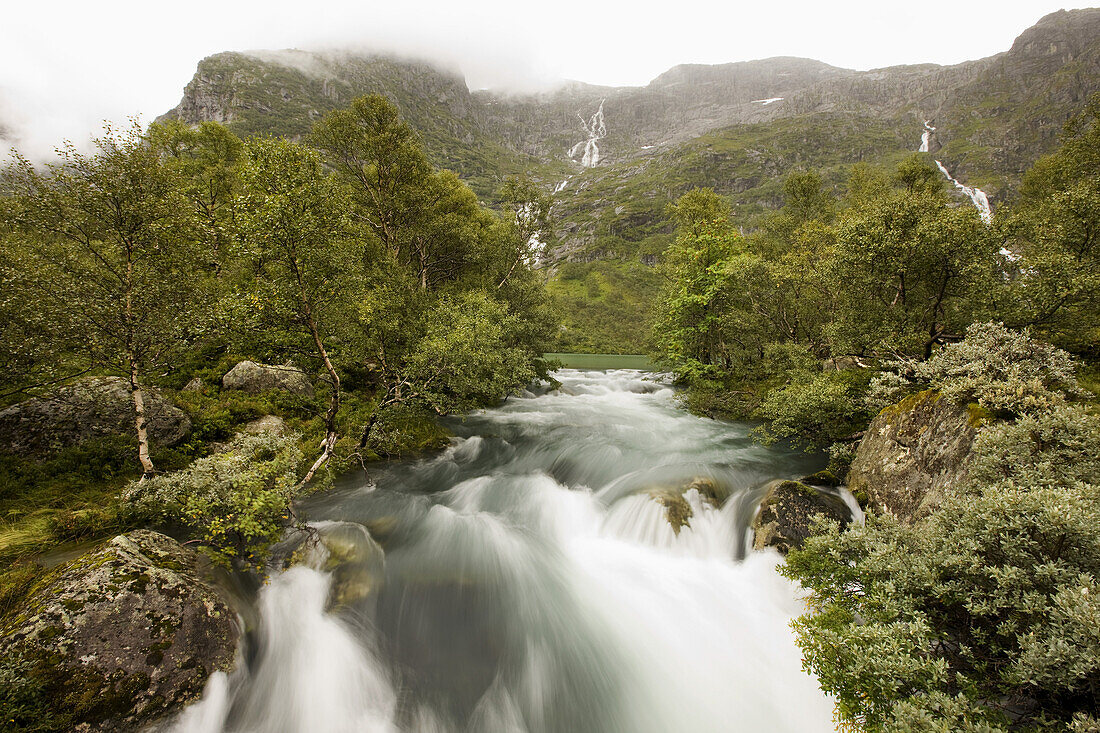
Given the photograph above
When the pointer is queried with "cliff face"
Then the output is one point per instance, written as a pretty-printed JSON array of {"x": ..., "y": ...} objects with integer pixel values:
[
  {"x": 619, "y": 156},
  {"x": 993, "y": 116}
]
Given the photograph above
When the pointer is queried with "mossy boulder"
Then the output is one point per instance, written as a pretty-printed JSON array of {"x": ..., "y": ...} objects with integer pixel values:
[
  {"x": 912, "y": 454},
  {"x": 124, "y": 634},
  {"x": 252, "y": 378},
  {"x": 787, "y": 514},
  {"x": 89, "y": 408},
  {"x": 678, "y": 509}
]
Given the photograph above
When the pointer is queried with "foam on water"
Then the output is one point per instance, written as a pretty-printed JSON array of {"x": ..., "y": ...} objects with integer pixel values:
[{"x": 533, "y": 583}]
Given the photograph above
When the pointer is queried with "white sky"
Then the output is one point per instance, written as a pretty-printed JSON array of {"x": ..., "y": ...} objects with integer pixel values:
[{"x": 65, "y": 66}]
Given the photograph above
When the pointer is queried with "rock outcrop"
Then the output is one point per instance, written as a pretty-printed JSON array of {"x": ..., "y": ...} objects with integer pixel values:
[
  {"x": 89, "y": 408},
  {"x": 253, "y": 378},
  {"x": 912, "y": 453},
  {"x": 787, "y": 513},
  {"x": 125, "y": 634}
]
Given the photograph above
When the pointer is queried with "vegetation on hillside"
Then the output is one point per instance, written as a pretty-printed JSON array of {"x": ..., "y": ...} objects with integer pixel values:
[
  {"x": 982, "y": 617},
  {"x": 172, "y": 253}
]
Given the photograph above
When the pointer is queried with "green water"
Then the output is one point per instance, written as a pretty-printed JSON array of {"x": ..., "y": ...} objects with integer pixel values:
[{"x": 603, "y": 361}]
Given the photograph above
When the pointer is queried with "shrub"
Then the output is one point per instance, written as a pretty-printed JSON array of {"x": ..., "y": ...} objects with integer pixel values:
[
  {"x": 1004, "y": 371},
  {"x": 814, "y": 410},
  {"x": 1060, "y": 446},
  {"x": 985, "y": 616},
  {"x": 235, "y": 502}
]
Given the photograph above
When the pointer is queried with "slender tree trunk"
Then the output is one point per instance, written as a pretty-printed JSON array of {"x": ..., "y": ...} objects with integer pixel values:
[
  {"x": 334, "y": 401},
  {"x": 136, "y": 394},
  {"x": 139, "y": 422}
]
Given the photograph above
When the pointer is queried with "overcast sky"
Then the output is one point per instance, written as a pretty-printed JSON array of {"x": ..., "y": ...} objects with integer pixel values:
[{"x": 67, "y": 66}]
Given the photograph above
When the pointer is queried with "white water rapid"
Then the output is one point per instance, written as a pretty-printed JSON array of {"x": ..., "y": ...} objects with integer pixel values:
[
  {"x": 532, "y": 583},
  {"x": 976, "y": 195},
  {"x": 596, "y": 129}
]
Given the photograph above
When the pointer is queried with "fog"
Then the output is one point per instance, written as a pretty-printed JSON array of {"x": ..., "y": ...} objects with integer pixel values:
[{"x": 65, "y": 67}]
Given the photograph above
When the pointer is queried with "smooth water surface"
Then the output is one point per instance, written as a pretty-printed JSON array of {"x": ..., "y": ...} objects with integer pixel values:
[{"x": 528, "y": 579}]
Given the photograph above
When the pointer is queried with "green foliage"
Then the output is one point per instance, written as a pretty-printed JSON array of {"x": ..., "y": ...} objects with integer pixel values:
[
  {"x": 980, "y": 614},
  {"x": 908, "y": 269},
  {"x": 1055, "y": 233},
  {"x": 236, "y": 502},
  {"x": 814, "y": 410},
  {"x": 26, "y": 705},
  {"x": 1007, "y": 372},
  {"x": 1051, "y": 447},
  {"x": 464, "y": 358}
]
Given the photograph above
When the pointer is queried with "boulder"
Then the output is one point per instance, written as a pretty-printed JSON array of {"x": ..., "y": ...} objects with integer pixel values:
[
  {"x": 266, "y": 425},
  {"x": 912, "y": 453},
  {"x": 787, "y": 513},
  {"x": 124, "y": 634},
  {"x": 253, "y": 378},
  {"x": 89, "y": 408},
  {"x": 678, "y": 505},
  {"x": 195, "y": 385}
]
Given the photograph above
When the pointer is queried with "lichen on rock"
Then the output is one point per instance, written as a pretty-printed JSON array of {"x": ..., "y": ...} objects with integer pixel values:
[
  {"x": 253, "y": 378},
  {"x": 124, "y": 634},
  {"x": 89, "y": 408},
  {"x": 913, "y": 453},
  {"x": 787, "y": 514}
]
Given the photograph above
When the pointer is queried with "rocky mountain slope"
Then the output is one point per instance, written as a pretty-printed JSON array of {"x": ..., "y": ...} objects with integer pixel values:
[{"x": 618, "y": 156}]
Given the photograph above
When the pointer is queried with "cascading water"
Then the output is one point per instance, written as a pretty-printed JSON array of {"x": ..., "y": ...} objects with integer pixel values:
[
  {"x": 596, "y": 129},
  {"x": 530, "y": 579},
  {"x": 976, "y": 195}
]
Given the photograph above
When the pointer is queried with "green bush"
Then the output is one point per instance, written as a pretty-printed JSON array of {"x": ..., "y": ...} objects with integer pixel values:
[
  {"x": 982, "y": 618},
  {"x": 25, "y": 705},
  {"x": 1060, "y": 446},
  {"x": 814, "y": 410},
  {"x": 236, "y": 502},
  {"x": 1004, "y": 371}
]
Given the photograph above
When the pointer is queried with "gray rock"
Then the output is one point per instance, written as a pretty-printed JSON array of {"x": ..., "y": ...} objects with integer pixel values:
[
  {"x": 253, "y": 378},
  {"x": 124, "y": 634},
  {"x": 195, "y": 385},
  {"x": 89, "y": 408},
  {"x": 266, "y": 425},
  {"x": 912, "y": 454},
  {"x": 787, "y": 513}
]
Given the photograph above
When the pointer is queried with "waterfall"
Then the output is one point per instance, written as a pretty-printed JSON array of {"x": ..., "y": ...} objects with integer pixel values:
[
  {"x": 976, "y": 195},
  {"x": 596, "y": 129}
]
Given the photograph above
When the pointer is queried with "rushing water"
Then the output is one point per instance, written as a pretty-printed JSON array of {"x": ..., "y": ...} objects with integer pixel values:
[{"x": 527, "y": 580}]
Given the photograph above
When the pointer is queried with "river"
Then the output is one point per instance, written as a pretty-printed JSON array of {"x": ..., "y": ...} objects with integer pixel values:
[{"x": 527, "y": 580}]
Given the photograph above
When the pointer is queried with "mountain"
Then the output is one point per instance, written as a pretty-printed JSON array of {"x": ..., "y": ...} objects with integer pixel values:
[{"x": 618, "y": 156}]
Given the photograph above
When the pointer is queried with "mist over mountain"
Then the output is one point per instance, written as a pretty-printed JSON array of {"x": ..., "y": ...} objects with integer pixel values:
[{"x": 617, "y": 156}]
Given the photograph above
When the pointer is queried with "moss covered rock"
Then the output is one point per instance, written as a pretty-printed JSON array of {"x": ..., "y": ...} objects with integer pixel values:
[
  {"x": 787, "y": 513},
  {"x": 912, "y": 453},
  {"x": 253, "y": 378},
  {"x": 678, "y": 509},
  {"x": 90, "y": 408},
  {"x": 124, "y": 634}
]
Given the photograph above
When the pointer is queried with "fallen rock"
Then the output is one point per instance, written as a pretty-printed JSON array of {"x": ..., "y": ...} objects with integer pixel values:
[
  {"x": 787, "y": 512},
  {"x": 124, "y": 634},
  {"x": 253, "y": 378},
  {"x": 195, "y": 385},
  {"x": 912, "y": 453},
  {"x": 95, "y": 407}
]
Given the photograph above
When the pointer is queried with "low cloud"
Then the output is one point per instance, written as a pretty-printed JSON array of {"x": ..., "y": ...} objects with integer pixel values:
[{"x": 62, "y": 73}]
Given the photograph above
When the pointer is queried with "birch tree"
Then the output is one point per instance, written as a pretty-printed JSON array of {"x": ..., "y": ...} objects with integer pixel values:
[
  {"x": 305, "y": 267},
  {"x": 106, "y": 246}
]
